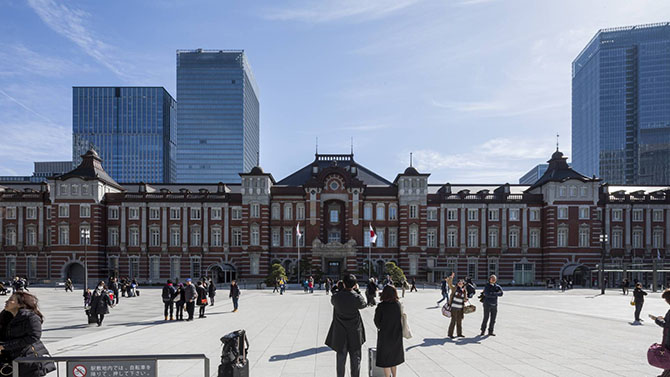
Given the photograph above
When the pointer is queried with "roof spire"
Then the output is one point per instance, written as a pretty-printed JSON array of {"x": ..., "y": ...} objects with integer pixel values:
[
  {"x": 557, "y": 136},
  {"x": 352, "y": 145},
  {"x": 410, "y": 159},
  {"x": 258, "y": 158},
  {"x": 317, "y": 145}
]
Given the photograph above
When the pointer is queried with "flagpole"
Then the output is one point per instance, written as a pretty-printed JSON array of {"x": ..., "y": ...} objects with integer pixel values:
[
  {"x": 299, "y": 236},
  {"x": 369, "y": 255}
]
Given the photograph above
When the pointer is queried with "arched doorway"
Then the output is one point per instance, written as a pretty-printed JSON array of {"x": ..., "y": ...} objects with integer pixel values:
[
  {"x": 223, "y": 274},
  {"x": 76, "y": 272},
  {"x": 579, "y": 274}
]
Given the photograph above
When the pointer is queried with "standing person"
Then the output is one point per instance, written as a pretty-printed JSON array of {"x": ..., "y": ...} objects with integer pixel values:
[
  {"x": 234, "y": 294},
  {"x": 181, "y": 301},
  {"x": 87, "y": 296},
  {"x": 388, "y": 319},
  {"x": 276, "y": 289},
  {"x": 624, "y": 286},
  {"x": 413, "y": 287},
  {"x": 347, "y": 333},
  {"x": 114, "y": 286},
  {"x": 190, "y": 295},
  {"x": 68, "y": 285},
  {"x": 100, "y": 302},
  {"x": 17, "y": 284},
  {"x": 444, "y": 288},
  {"x": 459, "y": 296},
  {"x": 310, "y": 284},
  {"x": 371, "y": 292},
  {"x": 211, "y": 291},
  {"x": 21, "y": 336},
  {"x": 638, "y": 296},
  {"x": 202, "y": 299},
  {"x": 470, "y": 287},
  {"x": 282, "y": 286},
  {"x": 403, "y": 286},
  {"x": 168, "y": 295},
  {"x": 664, "y": 322},
  {"x": 329, "y": 285},
  {"x": 491, "y": 293}
]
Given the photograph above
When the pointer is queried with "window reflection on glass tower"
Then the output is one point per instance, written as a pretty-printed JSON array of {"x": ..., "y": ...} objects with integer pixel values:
[
  {"x": 621, "y": 105},
  {"x": 133, "y": 129},
  {"x": 218, "y": 115}
]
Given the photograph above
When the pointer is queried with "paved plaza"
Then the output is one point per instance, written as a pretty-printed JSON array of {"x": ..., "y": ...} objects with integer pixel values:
[{"x": 540, "y": 333}]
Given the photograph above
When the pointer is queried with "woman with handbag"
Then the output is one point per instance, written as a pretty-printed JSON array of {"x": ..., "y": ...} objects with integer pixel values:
[
  {"x": 100, "y": 302},
  {"x": 459, "y": 296},
  {"x": 22, "y": 335},
  {"x": 658, "y": 355},
  {"x": 202, "y": 299},
  {"x": 388, "y": 319}
]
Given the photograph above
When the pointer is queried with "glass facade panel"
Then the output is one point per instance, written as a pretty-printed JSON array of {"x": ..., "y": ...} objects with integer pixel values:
[{"x": 218, "y": 113}]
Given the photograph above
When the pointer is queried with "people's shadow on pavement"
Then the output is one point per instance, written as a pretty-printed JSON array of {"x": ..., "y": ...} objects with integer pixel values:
[
  {"x": 71, "y": 327},
  {"x": 429, "y": 342},
  {"x": 297, "y": 354},
  {"x": 433, "y": 307}
]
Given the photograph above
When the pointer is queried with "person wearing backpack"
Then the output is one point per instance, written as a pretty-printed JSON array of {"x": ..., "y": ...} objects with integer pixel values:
[
  {"x": 470, "y": 287},
  {"x": 211, "y": 291},
  {"x": 168, "y": 295}
]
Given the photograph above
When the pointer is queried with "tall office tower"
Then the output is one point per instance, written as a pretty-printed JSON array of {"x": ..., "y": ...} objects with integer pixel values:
[
  {"x": 133, "y": 129},
  {"x": 621, "y": 106},
  {"x": 218, "y": 116}
]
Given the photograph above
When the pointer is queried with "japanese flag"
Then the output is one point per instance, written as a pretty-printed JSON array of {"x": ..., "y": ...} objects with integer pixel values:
[
  {"x": 373, "y": 236},
  {"x": 297, "y": 230}
]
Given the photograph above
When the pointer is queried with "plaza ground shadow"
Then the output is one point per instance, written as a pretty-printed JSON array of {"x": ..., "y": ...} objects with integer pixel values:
[
  {"x": 429, "y": 342},
  {"x": 297, "y": 354}
]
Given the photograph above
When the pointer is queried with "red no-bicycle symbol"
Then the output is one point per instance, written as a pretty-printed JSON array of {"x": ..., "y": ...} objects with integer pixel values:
[{"x": 79, "y": 371}]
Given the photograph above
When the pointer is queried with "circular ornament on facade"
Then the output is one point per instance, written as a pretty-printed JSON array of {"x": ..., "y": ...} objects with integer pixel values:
[{"x": 334, "y": 185}]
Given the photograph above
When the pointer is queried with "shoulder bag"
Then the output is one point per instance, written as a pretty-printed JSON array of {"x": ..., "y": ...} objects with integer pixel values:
[
  {"x": 406, "y": 332},
  {"x": 467, "y": 309},
  {"x": 658, "y": 356},
  {"x": 446, "y": 310}
]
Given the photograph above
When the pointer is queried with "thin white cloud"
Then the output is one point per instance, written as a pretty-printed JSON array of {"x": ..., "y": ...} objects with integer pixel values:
[
  {"x": 19, "y": 59},
  {"x": 319, "y": 12},
  {"x": 72, "y": 24},
  {"x": 24, "y": 106}
]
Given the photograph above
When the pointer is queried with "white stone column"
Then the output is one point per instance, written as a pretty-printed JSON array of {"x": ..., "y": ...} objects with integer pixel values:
[
  {"x": 627, "y": 213},
  {"x": 3, "y": 210},
  {"x": 503, "y": 228},
  {"x": 164, "y": 228},
  {"x": 40, "y": 226},
  {"x": 184, "y": 229},
  {"x": 226, "y": 226},
  {"x": 143, "y": 230},
  {"x": 647, "y": 229},
  {"x": 462, "y": 240},
  {"x": 19, "y": 233},
  {"x": 442, "y": 230},
  {"x": 122, "y": 236},
  {"x": 524, "y": 229},
  {"x": 205, "y": 228}
]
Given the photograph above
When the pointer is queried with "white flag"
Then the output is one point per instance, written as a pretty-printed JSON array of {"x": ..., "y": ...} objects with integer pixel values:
[{"x": 297, "y": 231}]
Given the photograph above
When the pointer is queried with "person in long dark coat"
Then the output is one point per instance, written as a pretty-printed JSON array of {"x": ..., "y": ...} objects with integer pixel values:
[
  {"x": 388, "y": 319},
  {"x": 211, "y": 290},
  {"x": 234, "y": 294},
  {"x": 346, "y": 333},
  {"x": 638, "y": 295},
  {"x": 21, "y": 335},
  {"x": 100, "y": 302},
  {"x": 664, "y": 322},
  {"x": 202, "y": 299}
]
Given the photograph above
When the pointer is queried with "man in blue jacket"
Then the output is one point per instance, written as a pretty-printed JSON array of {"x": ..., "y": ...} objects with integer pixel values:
[{"x": 491, "y": 293}]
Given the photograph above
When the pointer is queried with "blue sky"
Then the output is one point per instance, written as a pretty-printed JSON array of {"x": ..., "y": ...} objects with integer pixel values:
[{"x": 476, "y": 89}]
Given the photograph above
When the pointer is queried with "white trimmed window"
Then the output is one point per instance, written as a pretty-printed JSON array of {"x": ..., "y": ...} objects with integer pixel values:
[
  {"x": 10, "y": 239},
  {"x": 84, "y": 211},
  {"x": 472, "y": 214},
  {"x": 300, "y": 212},
  {"x": 255, "y": 235},
  {"x": 431, "y": 214},
  {"x": 32, "y": 267},
  {"x": 494, "y": 214},
  {"x": 514, "y": 238},
  {"x": 154, "y": 267},
  {"x": 236, "y": 213},
  {"x": 413, "y": 235},
  {"x": 562, "y": 237},
  {"x": 134, "y": 267},
  {"x": 196, "y": 236},
  {"x": 275, "y": 212},
  {"x": 113, "y": 236},
  {"x": 175, "y": 213},
  {"x": 638, "y": 215},
  {"x": 584, "y": 213},
  {"x": 657, "y": 239},
  {"x": 75, "y": 190},
  {"x": 617, "y": 215},
  {"x": 380, "y": 215},
  {"x": 63, "y": 210},
  {"x": 175, "y": 237},
  {"x": 288, "y": 211},
  {"x": 451, "y": 238},
  {"x": 237, "y": 237},
  {"x": 10, "y": 213},
  {"x": 534, "y": 239},
  {"x": 584, "y": 237},
  {"x": 657, "y": 215},
  {"x": 637, "y": 238},
  {"x": 534, "y": 214},
  {"x": 84, "y": 190},
  {"x": 367, "y": 212},
  {"x": 216, "y": 237},
  {"x": 452, "y": 214},
  {"x": 431, "y": 238},
  {"x": 154, "y": 213},
  {"x": 393, "y": 238},
  {"x": 31, "y": 236},
  {"x": 134, "y": 237},
  {"x": 133, "y": 213},
  {"x": 63, "y": 235},
  {"x": 617, "y": 236},
  {"x": 493, "y": 237},
  {"x": 562, "y": 213},
  {"x": 413, "y": 211},
  {"x": 113, "y": 213},
  {"x": 175, "y": 267},
  {"x": 154, "y": 237},
  {"x": 288, "y": 237},
  {"x": 255, "y": 209},
  {"x": 380, "y": 238},
  {"x": 216, "y": 213},
  {"x": 276, "y": 238},
  {"x": 473, "y": 237},
  {"x": 513, "y": 214},
  {"x": 393, "y": 212},
  {"x": 31, "y": 213},
  {"x": 196, "y": 213}
]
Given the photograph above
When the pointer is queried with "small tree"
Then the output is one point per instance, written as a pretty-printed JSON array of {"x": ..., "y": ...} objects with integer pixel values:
[
  {"x": 305, "y": 269},
  {"x": 396, "y": 273},
  {"x": 278, "y": 272}
]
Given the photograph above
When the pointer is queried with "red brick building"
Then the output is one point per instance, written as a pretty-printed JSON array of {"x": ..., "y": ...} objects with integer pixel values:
[{"x": 153, "y": 232}]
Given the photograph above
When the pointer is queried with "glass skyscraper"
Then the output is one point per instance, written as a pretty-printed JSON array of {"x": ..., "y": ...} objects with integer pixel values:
[
  {"x": 621, "y": 106},
  {"x": 218, "y": 114},
  {"x": 133, "y": 129}
]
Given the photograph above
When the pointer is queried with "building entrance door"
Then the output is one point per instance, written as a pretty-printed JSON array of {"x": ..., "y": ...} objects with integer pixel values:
[{"x": 334, "y": 268}]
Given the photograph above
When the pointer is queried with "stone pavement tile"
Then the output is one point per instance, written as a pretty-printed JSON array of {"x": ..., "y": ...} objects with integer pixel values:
[{"x": 527, "y": 370}]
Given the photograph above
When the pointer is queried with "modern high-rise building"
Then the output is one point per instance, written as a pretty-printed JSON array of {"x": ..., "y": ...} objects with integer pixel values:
[
  {"x": 218, "y": 115},
  {"x": 48, "y": 169},
  {"x": 621, "y": 105},
  {"x": 534, "y": 174},
  {"x": 133, "y": 129}
]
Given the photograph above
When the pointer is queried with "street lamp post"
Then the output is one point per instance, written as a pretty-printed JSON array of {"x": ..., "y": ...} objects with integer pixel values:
[
  {"x": 601, "y": 281},
  {"x": 85, "y": 237}
]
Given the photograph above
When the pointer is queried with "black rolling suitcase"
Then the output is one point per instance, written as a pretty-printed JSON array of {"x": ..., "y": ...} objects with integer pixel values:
[
  {"x": 91, "y": 318},
  {"x": 234, "y": 361}
]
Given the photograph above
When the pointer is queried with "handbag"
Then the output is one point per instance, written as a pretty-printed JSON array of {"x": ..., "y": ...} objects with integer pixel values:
[
  {"x": 467, "y": 309},
  {"x": 203, "y": 301},
  {"x": 632, "y": 302},
  {"x": 406, "y": 332},
  {"x": 446, "y": 311},
  {"x": 47, "y": 366},
  {"x": 658, "y": 356}
]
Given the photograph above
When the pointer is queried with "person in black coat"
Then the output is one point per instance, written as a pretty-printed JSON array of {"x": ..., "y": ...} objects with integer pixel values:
[
  {"x": 202, "y": 299},
  {"x": 491, "y": 293},
  {"x": 371, "y": 292},
  {"x": 100, "y": 302},
  {"x": 638, "y": 297},
  {"x": 388, "y": 319},
  {"x": 114, "y": 287},
  {"x": 664, "y": 322},
  {"x": 234, "y": 294},
  {"x": 211, "y": 291},
  {"x": 21, "y": 334},
  {"x": 180, "y": 296},
  {"x": 347, "y": 333},
  {"x": 168, "y": 294}
]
